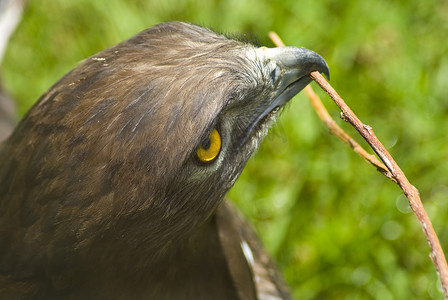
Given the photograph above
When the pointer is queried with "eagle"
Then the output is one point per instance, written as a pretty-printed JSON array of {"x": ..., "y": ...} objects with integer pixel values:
[{"x": 112, "y": 186}]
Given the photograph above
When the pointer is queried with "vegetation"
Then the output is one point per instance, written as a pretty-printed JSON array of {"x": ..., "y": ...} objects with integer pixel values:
[{"x": 338, "y": 229}]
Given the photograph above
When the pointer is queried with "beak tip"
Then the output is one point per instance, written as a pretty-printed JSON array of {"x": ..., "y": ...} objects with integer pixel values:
[{"x": 326, "y": 72}]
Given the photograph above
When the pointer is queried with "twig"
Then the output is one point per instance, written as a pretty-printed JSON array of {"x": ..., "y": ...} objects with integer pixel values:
[
  {"x": 409, "y": 190},
  {"x": 398, "y": 176}
]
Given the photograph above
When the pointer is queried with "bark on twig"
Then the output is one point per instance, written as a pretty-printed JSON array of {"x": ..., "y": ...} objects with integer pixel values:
[{"x": 393, "y": 171}]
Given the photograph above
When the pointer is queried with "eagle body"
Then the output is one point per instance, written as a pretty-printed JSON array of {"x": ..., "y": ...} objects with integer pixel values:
[{"x": 103, "y": 193}]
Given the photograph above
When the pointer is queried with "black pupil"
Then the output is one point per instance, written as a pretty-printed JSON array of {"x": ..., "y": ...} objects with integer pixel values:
[{"x": 206, "y": 143}]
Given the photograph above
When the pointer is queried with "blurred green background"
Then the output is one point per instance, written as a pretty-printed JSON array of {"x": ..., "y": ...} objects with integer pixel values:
[{"x": 337, "y": 228}]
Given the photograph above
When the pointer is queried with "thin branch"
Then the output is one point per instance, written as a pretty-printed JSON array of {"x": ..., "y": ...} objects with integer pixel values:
[
  {"x": 397, "y": 175},
  {"x": 437, "y": 255}
]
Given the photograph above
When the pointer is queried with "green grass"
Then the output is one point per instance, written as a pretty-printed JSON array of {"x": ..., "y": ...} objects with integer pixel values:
[{"x": 337, "y": 228}]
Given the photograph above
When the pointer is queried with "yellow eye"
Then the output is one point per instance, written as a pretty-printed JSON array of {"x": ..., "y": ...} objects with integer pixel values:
[{"x": 206, "y": 155}]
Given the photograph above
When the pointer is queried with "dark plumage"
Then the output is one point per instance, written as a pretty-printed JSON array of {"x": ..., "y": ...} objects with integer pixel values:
[
  {"x": 7, "y": 117},
  {"x": 102, "y": 191}
]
